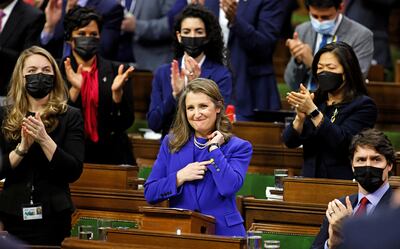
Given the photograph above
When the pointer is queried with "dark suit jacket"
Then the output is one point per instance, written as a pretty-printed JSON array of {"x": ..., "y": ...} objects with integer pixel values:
[
  {"x": 112, "y": 13},
  {"x": 50, "y": 179},
  {"x": 374, "y": 14},
  {"x": 323, "y": 234},
  {"x": 325, "y": 150},
  {"x": 372, "y": 232},
  {"x": 113, "y": 119},
  {"x": 163, "y": 105},
  {"x": 21, "y": 31},
  {"x": 214, "y": 194}
]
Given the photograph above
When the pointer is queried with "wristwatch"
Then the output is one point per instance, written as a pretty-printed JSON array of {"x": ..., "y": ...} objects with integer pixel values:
[
  {"x": 213, "y": 144},
  {"x": 314, "y": 113}
]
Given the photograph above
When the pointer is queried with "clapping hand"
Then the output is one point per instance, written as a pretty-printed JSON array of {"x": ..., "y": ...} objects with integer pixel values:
[
  {"x": 335, "y": 214},
  {"x": 33, "y": 129},
  {"x": 75, "y": 78},
  {"x": 230, "y": 8},
  {"x": 177, "y": 79},
  {"x": 302, "y": 101},
  {"x": 119, "y": 82}
]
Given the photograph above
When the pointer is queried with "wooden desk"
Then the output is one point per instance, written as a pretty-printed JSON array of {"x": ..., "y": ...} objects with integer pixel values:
[
  {"x": 109, "y": 199},
  {"x": 316, "y": 190},
  {"x": 172, "y": 219},
  {"x": 75, "y": 243},
  {"x": 107, "y": 176},
  {"x": 282, "y": 212},
  {"x": 172, "y": 240}
]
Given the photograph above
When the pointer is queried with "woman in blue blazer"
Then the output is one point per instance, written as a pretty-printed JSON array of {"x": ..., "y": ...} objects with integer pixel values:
[
  {"x": 198, "y": 45},
  {"x": 200, "y": 165},
  {"x": 326, "y": 123}
]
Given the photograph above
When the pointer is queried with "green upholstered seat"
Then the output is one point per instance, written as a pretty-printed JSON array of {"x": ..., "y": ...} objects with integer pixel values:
[
  {"x": 94, "y": 222},
  {"x": 255, "y": 185},
  {"x": 289, "y": 241}
]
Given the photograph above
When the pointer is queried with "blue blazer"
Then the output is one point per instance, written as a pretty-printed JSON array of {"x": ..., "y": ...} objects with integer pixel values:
[
  {"x": 214, "y": 194},
  {"x": 252, "y": 40},
  {"x": 326, "y": 149},
  {"x": 163, "y": 105}
]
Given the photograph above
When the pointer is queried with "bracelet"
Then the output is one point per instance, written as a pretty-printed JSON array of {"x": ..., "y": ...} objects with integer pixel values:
[
  {"x": 19, "y": 152},
  {"x": 213, "y": 144}
]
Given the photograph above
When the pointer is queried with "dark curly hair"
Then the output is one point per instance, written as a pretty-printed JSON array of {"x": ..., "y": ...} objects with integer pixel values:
[
  {"x": 79, "y": 17},
  {"x": 214, "y": 49}
]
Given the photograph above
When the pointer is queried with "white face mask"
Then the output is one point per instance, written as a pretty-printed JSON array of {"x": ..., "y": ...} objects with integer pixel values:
[{"x": 324, "y": 27}]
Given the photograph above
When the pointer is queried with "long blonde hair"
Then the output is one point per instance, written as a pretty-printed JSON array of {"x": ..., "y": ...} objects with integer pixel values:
[
  {"x": 181, "y": 129},
  {"x": 17, "y": 97}
]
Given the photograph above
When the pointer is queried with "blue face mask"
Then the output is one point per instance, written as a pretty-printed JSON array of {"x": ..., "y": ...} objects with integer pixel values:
[{"x": 324, "y": 27}]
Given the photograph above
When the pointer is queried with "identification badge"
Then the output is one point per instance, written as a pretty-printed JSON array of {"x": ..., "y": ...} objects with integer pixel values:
[{"x": 32, "y": 212}]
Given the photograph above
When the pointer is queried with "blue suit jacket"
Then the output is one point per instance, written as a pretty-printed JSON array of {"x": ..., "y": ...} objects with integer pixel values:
[
  {"x": 163, "y": 105},
  {"x": 325, "y": 150},
  {"x": 214, "y": 194},
  {"x": 112, "y": 14},
  {"x": 323, "y": 235}
]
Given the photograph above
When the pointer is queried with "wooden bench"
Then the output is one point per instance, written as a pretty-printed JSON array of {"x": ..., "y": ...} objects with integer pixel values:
[
  {"x": 172, "y": 240},
  {"x": 108, "y": 176},
  {"x": 75, "y": 243},
  {"x": 282, "y": 212},
  {"x": 316, "y": 190}
]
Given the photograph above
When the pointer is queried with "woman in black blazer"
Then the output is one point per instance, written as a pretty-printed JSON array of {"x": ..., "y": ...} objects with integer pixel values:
[
  {"x": 42, "y": 146},
  {"x": 326, "y": 122},
  {"x": 99, "y": 88}
]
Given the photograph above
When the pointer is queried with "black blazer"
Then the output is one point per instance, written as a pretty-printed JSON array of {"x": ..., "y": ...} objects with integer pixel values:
[
  {"x": 50, "y": 179},
  {"x": 323, "y": 234},
  {"x": 113, "y": 119},
  {"x": 326, "y": 149},
  {"x": 21, "y": 31}
]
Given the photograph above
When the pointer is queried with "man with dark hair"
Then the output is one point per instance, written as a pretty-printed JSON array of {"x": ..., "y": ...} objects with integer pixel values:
[
  {"x": 372, "y": 156},
  {"x": 327, "y": 24}
]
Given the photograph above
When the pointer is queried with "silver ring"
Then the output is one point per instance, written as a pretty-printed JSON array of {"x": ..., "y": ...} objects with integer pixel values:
[
  {"x": 331, "y": 212},
  {"x": 297, "y": 105}
]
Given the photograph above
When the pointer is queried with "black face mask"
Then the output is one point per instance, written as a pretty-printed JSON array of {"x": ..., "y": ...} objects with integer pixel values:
[
  {"x": 370, "y": 178},
  {"x": 328, "y": 81},
  {"x": 86, "y": 47},
  {"x": 39, "y": 85},
  {"x": 194, "y": 46}
]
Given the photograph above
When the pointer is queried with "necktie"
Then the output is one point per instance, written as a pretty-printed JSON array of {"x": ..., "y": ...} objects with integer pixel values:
[
  {"x": 128, "y": 4},
  {"x": 2, "y": 14},
  {"x": 362, "y": 209},
  {"x": 324, "y": 41}
]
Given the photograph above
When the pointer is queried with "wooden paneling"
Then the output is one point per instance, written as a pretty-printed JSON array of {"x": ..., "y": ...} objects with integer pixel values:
[
  {"x": 386, "y": 96},
  {"x": 172, "y": 240},
  {"x": 282, "y": 212},
  {"x": 141, "y": 91},
  {"x": 259, "y": 133},
  {"x": 109, "y": 199},
  {"x": 316, "y": 190},
  {"x": 107, "y": 176}
]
